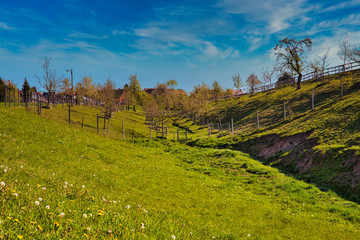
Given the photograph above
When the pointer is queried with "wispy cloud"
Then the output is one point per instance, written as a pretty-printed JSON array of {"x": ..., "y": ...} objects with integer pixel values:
[
  {"x": 342, "y": 5},
  {"x": 6, "y": 26}
]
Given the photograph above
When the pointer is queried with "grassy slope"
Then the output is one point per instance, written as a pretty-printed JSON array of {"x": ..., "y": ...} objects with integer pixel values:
[{"x": 187, "y": 192}]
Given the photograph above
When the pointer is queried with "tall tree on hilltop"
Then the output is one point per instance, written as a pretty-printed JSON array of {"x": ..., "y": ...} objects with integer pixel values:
[
  {"x": 290, "y": 55},
  {"x": 344, "y": 51},
  {"x": 252, "y": 81},
  {"x": 216, "y": 89},
  {"x": 25, "y": 91},
  {"x": 237, "y": 81}
]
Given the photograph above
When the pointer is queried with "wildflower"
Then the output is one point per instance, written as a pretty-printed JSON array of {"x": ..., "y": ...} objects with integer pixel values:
[
  {"x": 109, "y": 231},
  {"x": 20, "y": 236},
  {"x": 173, "y": 237},
  {"x": 145, "y": 210},
  {"x": 39, "y": 227},
  {"x": 47, "y": 207},
  {"x": 40, "y": 199},
  {"x": 249, "y": 235},
  {"x": 100, "y": 213},
  {"x": 16, "y": 180},
  {"x": 5, "y": 170},
  {"x": 21, "y": 166},
  {"x": 85, "y": 235},
  {"x": 71, "y": 185},
  {"x": 66, "y": 183},
  {"x": 62, "y": 214},
  {"x": 16, "y": 220},
  {"x": 83, "y": 186},
  {"x": 84, "y": 215},
  {"x": 65, "y": 186},
  {"x": 16, "y": 194},
  {"x": 56, "y": 224},
  {"x": 44, "y": 188},
  {"x": 127, "y": 206},
  {"x": 88, "y": 228},
  {"x": 37, "y": 202},
  {"x": 142, "y": 226},
  {"x": 90, "y": 215}
]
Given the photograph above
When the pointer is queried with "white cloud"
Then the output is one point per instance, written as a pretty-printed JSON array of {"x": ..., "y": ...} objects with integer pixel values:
[
  {"x": 5, "y": 26},
  {"x": 342, "y": 5}
]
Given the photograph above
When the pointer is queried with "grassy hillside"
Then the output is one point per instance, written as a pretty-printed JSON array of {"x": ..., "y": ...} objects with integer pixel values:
[
  {"x": 61, "y": 181},
  {"x": 322, "y": 144}
]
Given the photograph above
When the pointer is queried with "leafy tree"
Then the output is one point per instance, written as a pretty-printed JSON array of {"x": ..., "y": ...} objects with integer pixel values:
[
  {"x": 238, "y": 84},
  {"x": 252, "y": 81},
  {"x": 216, "y": 89},
  {"x": 107, "y": 96},
  {"x": 171, "y": 83},
  {"x": 290, "y": 55},
  {"x": 133, "y": 91},
  {"x": 25, "y": 90},
  {"x": 49, "y": 80},
  {"x": 86, "y": 87}
]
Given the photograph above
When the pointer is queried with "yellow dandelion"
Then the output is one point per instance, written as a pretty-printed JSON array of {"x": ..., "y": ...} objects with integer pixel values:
[
  {"x": 39, "y": 227},
  {"x": 9, "y": 218},
  {"x": 19, "y": 237},
  {"x": 16, "y": 220},
  {"x": 85, "y": 235},
  {"x": 56, "y": 224},
  {"x": 32, "y": 222},
  {"x": 38, "y": 185}
]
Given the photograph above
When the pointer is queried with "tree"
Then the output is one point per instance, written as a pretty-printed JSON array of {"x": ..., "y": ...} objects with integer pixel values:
[
  {"x": 133, "y": 91},
  {"x": 49, "y": 81},
  {"x": 171, "y": 83},
  {"x": 107, "y": 97},
  {"x": 268, "y": 74},
  {"x": 252, "y": 81},
  {"x": 290, "y": 55},
  {"x": 344, "y": 51},
  {"x": 319, "y": 64},
  {"x": 86, "y": 87},
  {"x": 238, "y": 84},
  {"x": 216, "y": 89},
  {"x": 355, "y": 55},
  {"x": 25, "y": 91}
]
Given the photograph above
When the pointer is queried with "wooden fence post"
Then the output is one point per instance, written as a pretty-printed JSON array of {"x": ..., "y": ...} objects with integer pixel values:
[
  {"x": 123, "y": 130},
  {"x": 82, "y": 122},
  {"x": 257, "y": 120},
  {"x": 97, "y": 123},
  {"x": 232, "y": 127},
  {"x": 14, "y": 98},
  {"x": 166, "y": 133},
  {"x": 284, "y": 111},
  {"x": 69, "y": 113},
  {"x": 5, "y": 96},
  {"x": 312, "y": 99}
]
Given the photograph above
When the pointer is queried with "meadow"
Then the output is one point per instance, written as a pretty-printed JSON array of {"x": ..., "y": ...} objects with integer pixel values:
[{"x": 61, "y": 181}]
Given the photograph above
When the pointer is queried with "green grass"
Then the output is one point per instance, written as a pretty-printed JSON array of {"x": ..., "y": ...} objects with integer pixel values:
[
  {"x": 333, "y": 125},
  {"x": 145, "y": 189}
]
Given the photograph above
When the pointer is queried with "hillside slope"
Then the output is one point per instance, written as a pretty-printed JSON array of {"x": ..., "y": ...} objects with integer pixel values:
[
  {"x": 59, "y": 181},
  {"x": 320, "y": 145}
]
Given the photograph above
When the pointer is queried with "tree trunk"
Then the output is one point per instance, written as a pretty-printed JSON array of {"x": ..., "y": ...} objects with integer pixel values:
[{"x": 299, "y": 81}]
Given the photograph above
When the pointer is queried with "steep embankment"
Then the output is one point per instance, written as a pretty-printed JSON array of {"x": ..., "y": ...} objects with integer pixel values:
[{"x": 320, "y": 145}]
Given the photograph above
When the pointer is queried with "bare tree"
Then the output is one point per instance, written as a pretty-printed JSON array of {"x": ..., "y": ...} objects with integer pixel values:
[
  {"x": 319, "y": 64},
  {"x": 268, "y": 74},
  {"x": 344, "y": 51},
  {"x": 49, "y": 81},
  {"x": 290, "y": 55},
  {"x": 355, "y": 55},
  {"x": 252, "y": 81}
]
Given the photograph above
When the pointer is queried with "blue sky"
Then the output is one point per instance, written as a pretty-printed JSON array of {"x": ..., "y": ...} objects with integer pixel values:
[{"x": 189, "y": 41}]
